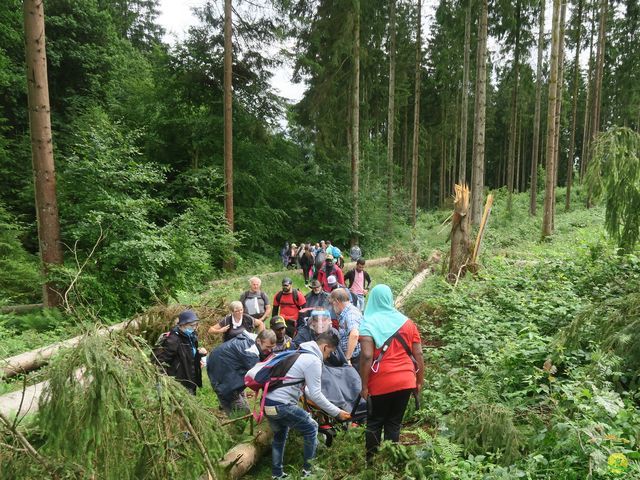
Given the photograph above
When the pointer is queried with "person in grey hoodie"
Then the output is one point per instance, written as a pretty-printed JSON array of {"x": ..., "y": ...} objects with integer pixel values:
[{"x": 282, "y": 409}]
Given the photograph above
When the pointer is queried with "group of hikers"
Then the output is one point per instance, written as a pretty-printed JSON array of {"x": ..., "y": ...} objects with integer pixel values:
[
  {"x": 310, "y": 257},
  {"x": 328, "y": 329}
]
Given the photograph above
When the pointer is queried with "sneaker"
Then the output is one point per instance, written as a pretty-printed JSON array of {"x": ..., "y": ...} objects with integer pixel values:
[
  {"x": 284, "y": 475},
  {"x": 305, "y": 473}
]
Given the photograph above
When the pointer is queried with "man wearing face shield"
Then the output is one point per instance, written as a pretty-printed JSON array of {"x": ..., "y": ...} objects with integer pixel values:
[
  {"x": 229, "y": 363},
  {"x": 319, "y": 322}
]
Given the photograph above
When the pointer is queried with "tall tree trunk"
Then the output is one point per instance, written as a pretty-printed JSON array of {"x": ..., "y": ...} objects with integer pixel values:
[
  {"x": 536, "y": 118},
  {"x": 477, "y": 174},
  {"x": 443, "y": 153},
  {"x": 464, "y": 121},
  {"x": 355, "y": 135},
  {"x": 597, "y": 88},
  {"x": 558, "y": 126},
  {"x": 416, "y": 121},
  {"x": 391, "y": 114},
  {"x": 405, "y": 148},
  {"x": 574, "y": 109},
  {"x": 228, "y": 124},
  {"x": 514, "y": 112},
  {"x": 547, "y": 219},
  {"x": 586, "y": 129},
  {"x": 44, "y": 171},
  {"x": 516, "y": 183}
]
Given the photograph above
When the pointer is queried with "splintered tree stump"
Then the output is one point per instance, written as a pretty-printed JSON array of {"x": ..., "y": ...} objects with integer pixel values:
[{"x": 460, "y": 230}]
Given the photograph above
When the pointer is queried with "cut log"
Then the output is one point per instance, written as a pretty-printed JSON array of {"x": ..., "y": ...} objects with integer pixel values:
[{"x": 241, "y": 458}]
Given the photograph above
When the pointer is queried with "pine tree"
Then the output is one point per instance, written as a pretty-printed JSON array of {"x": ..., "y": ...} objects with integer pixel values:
[
  {"x": 391, "y": 112},
  {"x": 477, "y": 176},
  {"x": 416, "y": 119},
  {"x": 44, "y": 171},
  {"x": 574, "y": 108},
  {"x": 536, "y": 121},
  {"x": 547, "y": 219},
  {"x": 228, "y": 122}
]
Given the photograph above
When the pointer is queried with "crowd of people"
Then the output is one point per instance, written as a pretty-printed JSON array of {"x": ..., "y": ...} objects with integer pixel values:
[{"x": 329, "y": 325}]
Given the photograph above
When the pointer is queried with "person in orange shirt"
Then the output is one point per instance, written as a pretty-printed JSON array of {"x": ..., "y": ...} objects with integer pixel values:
[{"x": 391, "y": 366}]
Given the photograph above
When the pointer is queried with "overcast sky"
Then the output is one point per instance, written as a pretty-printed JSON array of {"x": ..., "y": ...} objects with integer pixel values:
[{"x": 176, "y": 17}]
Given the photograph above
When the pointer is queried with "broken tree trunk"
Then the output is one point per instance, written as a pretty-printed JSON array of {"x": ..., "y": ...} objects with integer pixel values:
[
  {"x": 460, "y": 227},
  {"x": 481, "y": 230},
  {"x": 242, "y": 457}
]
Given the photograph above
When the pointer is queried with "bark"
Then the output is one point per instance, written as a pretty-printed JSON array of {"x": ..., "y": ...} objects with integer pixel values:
[
  {"x": 558, "y": 127},
  {"x": 513, "y": 131},
  {"x": 391, "y": 110},
  {"x": 574, "y": 110},
  {"x": 34, "y": 359},
  {"x": 536, "y": 118},
  {"x": 416, "y": 121},
  {"x": 243, "y": 456},
  {"x": 516, "y": 184},
  {"x": 547, "y": 220},
  {"x": 587, "y": 106},
  {"x": 460, "y": 229},
  {"x": 477, "y": 175},
  {"x": 464, "y": 121},
  {"x": 355, "y": 135},
  {"x": 44, "y": 171},
  {"x": 597, "y": 87},
  {"x": 228, "y": 124}
]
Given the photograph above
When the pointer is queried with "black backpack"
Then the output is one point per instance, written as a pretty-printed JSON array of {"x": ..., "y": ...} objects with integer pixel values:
[{"x": 294, "y": 292}]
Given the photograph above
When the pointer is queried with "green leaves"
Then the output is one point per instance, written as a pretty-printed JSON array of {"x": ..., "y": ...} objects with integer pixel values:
[{"x": 614, "y": 174}]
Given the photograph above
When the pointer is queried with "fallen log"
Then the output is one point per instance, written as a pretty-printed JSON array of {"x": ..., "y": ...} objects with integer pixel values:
[
  {"x": 242, "y": 457},
  {"x": 21, "y": 308},
  {"x": 29, "y": 361},
  {"x": 411, "y": 286}
]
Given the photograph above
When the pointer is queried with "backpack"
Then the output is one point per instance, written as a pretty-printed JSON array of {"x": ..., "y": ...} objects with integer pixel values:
[
  {"x": 270, "y": 375},
  {"x": 294, "y": 292}
]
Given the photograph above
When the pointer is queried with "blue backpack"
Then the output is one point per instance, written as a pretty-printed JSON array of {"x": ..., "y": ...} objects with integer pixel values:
[{"x": 271, "y": 374}]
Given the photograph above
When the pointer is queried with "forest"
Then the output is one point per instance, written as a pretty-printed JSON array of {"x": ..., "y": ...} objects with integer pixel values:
[{"x": 139, "y": 177}]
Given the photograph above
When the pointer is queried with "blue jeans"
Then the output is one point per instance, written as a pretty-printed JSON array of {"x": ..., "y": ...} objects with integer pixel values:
[
  {"x": 292, "y": 416},
  {"x": 359, "y": 301}
]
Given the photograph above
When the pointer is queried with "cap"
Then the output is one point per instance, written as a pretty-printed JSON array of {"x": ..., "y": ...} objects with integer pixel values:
[
  {"x": 315, "y": 284},
  {"x": 329, "y": 256},
  {"x": 332, "y": 280},
  {"x": 286, "y": 281},
  {"x": 278, "y": 322},
  {"x": 188, "y": 316}
]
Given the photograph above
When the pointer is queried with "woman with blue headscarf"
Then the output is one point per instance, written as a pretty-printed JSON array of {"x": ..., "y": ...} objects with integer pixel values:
[{"x": 391, "y": 366}]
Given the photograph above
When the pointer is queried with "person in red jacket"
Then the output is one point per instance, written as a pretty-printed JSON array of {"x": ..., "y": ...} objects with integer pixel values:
[
  {"x": 287, "y": 303},
  {"x": 328, "y": 269}
]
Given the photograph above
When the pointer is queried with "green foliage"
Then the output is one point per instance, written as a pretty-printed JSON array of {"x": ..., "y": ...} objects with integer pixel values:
[
  {"x": 614, "y": 173},
  {"x": 113, "y": 201},
  {"x": 108, "y": 412},
  {"x": 20, "y": 278}
]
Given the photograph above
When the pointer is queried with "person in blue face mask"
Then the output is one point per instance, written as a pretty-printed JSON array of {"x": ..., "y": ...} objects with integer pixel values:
[{"x": 177, "y": 352}]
